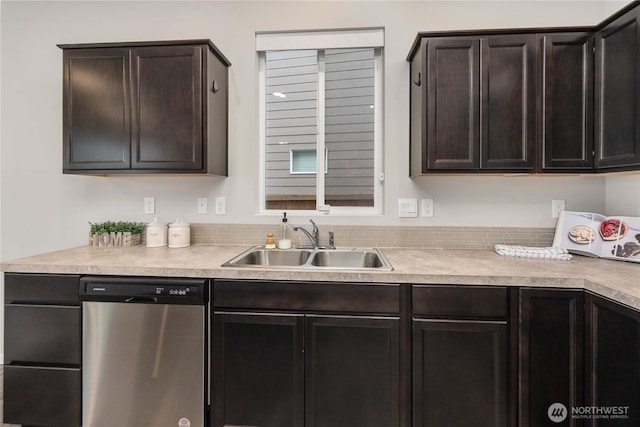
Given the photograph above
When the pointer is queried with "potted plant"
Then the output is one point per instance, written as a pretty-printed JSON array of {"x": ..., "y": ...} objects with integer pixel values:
[{"x": 112, "y": 233}]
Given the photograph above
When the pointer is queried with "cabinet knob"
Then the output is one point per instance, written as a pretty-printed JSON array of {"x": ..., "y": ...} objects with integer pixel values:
[
  {"x": 215, "y": 88},
  {"x": 418, "y": 81}
]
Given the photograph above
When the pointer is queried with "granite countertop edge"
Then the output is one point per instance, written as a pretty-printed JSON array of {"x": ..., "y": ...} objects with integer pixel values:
[{"x": 616, "y": 280}]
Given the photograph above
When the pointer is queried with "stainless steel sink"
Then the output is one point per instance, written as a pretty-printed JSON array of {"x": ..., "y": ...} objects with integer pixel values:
[
  {"x": 270, "y": 257},
  {"x": 360, "y": 258},
  {"x": 311, "y": 259}
]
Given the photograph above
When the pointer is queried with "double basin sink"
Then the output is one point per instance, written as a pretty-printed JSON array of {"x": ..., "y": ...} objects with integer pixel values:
[{"x": 353, "y": 258}]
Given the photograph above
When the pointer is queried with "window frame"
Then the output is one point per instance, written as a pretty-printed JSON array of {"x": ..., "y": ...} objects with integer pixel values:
[{"x": 328, "y": 40}]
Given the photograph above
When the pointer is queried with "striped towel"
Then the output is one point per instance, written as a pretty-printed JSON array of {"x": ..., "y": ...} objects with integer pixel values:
[{"x": 533, "y": 252}]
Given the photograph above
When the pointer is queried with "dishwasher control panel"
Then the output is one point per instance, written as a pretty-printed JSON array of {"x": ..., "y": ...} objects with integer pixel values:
[{"x": 150, "y": 291}]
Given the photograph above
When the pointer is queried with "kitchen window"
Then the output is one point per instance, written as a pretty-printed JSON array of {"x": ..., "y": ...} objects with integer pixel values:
[{"x": 321, "y": 109}]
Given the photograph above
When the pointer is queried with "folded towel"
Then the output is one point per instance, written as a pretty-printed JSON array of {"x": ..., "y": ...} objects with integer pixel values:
[{"x": 533, "y": 252}]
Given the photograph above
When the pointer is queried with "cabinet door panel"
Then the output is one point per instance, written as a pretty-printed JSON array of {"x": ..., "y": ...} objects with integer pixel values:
[
  {"x": 453, "y": 103},
  {"x": 352, "y": 372},
  {"x": 618, "y": 92},
  {"x": 613, "y": 360},
  {"x": 551, "y": 353},
  {"x": 97, "y": 117},
  {"x": 258, "y": 370},
  {"x": 459, "y": 373},
  {"x": 508, "y": 102},
  {"x": 43, "y": 334},
  {"x": 567, "y": 107},
  {"x": 167, "y": 99},
  {"x": 41, "y": 396}
]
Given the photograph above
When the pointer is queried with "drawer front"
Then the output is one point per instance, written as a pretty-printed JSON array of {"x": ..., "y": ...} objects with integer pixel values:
[
  {"x": 460, "y": 301},
  {"x": 307, "y": 296},
  {"x": 43, "y": 288},
  {"x": 42, "y": 396},
  {"x": 43, "y": 334}
]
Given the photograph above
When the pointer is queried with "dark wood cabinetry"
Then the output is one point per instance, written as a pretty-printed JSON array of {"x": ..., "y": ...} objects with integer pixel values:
[
  {"x": 617, "y": 96},
  {"x": 551, "y": 333},
  {"x": 276, "y": 352},
  {"x": 145, "y": 108},
  {"x": 42, "y": 372},
  {"x": 461, "y": 356},
  {"x": 473, "y": 104},
  {"x": 613, "y": 361},
  {"x": 566, "y": 101},
  {"x": 527, "y": 100}
]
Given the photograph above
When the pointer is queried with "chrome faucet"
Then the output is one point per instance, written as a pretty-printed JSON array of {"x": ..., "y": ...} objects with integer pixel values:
[{"x": 314, "y": 236}]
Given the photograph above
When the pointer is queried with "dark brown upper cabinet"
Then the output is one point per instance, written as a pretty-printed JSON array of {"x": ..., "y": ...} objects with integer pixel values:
[
  {"x": 566, "y": 101},
  {"x": 617, "y": 96},
  {"x": 541, "y": 100},
  {"x": 156, "y": 107},
  {"x": 472, "y": 102}
]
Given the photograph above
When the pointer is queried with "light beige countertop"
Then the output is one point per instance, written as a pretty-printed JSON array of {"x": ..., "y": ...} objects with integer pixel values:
[{"x": 616, "y": 280}]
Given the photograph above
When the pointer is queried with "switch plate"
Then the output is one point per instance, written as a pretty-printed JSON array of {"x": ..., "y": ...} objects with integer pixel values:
[
  {"x": 221, "y": 205},
  {"x": 201, "y": 204},
  {"x": 407, "y": 208},
  {"x": 149, "y": 205},
  {"x": 426, "y": 208},
  {"x": 557, "y": 206}
]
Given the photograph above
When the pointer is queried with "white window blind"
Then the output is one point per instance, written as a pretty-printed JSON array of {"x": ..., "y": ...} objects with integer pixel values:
[{"x": 320, "y": 39}]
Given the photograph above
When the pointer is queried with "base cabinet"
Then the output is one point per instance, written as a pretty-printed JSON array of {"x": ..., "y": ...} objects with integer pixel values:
[
  {"x": 551, "y": 331},
  {"x": 273, "y": 367},
  {"x": 42, "y": 344},
  {"x": 613, "y": 362},
  {"x": 461, "y": 356}
]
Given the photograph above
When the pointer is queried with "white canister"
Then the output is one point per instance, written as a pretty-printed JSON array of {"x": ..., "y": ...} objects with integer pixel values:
[
  {"x": 156, "y": 234},
  {"x": 179, "y": 234}
]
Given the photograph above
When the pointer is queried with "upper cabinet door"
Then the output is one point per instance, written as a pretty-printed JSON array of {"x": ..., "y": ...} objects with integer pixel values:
[
  {"x": 617, "y": 99},
  {"x": 167, "y": 101},
  {"x": 97, "y": 117},
  {"x": 453, "y": 103},
  {"x": 566, "y": 97},
  {"x": 508, "y": 102}
]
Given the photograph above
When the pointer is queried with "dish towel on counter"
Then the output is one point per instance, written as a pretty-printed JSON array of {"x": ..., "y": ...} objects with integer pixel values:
[{"x": 533, "y": 252}]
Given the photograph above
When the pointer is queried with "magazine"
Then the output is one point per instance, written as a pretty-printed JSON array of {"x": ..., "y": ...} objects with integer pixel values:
[{"x": 591, "y": 234}]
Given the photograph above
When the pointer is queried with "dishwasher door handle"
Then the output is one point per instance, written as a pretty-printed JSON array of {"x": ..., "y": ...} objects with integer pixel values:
[{"x": 144, "y": 300}]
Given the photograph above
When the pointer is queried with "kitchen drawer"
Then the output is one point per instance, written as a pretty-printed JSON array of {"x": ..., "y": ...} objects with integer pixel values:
[
  {"x": 307, "y": 296},
  {"x": 42, "y": 396},
  {"x": 41, "y": 288},
  {"x": 460, "y": 301},
  {"x": 43, "y": 334}
]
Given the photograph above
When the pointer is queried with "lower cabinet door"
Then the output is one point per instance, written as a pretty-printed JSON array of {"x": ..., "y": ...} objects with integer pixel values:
[
  {"x": 613, "y": 364},
  {"x": 39, "y": 396},
  {"x": 258, "y": 368},
  {"x": 352, "y": 371},
  {"x": 459, "y": 373}
]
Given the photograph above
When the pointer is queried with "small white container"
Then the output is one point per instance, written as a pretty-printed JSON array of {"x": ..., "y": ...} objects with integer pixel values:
[
  {"x": 156, "y": 234},
  {"x": 179, "y": 234}
]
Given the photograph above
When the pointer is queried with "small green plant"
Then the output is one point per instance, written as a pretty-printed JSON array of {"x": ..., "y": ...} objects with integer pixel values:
[{"x": 115, "y": 227}]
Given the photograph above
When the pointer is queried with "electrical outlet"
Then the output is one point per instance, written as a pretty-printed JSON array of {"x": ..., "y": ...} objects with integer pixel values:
[
  {"x": 426, "y": 208},
  {"x": 149, "y": 205},
  {"x": 557, "y": 206},
  {"x": 221, "y": 205},
  {"x": 201, "y": 204}
]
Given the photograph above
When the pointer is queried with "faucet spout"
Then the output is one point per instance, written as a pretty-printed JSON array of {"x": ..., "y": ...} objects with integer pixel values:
[{"x": 314, "y": 236}]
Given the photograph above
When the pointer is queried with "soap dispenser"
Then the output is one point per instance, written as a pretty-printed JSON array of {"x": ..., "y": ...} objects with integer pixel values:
[{"x": 284, "y": 242}]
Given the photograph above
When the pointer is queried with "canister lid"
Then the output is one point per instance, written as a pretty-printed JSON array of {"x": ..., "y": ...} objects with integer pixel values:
[
  {"x": 157, "y": 223},
  {"x": 179, "y": 223}
]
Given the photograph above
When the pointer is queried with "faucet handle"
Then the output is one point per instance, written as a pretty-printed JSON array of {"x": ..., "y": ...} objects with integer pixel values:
[{"x": 331, "y": 241}]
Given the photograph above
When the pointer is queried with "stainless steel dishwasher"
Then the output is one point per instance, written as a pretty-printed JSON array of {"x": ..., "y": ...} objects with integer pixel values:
[{"x": 144, "y": 352}]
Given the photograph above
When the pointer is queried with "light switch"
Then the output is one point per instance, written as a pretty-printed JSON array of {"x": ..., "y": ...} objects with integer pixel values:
[
  {"x": 221, "y": 205},
  {"x": 407, "y": 208}
]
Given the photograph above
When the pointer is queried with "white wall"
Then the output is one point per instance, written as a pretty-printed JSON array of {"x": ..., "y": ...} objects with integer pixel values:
[{"x": 43, "y": 210}]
